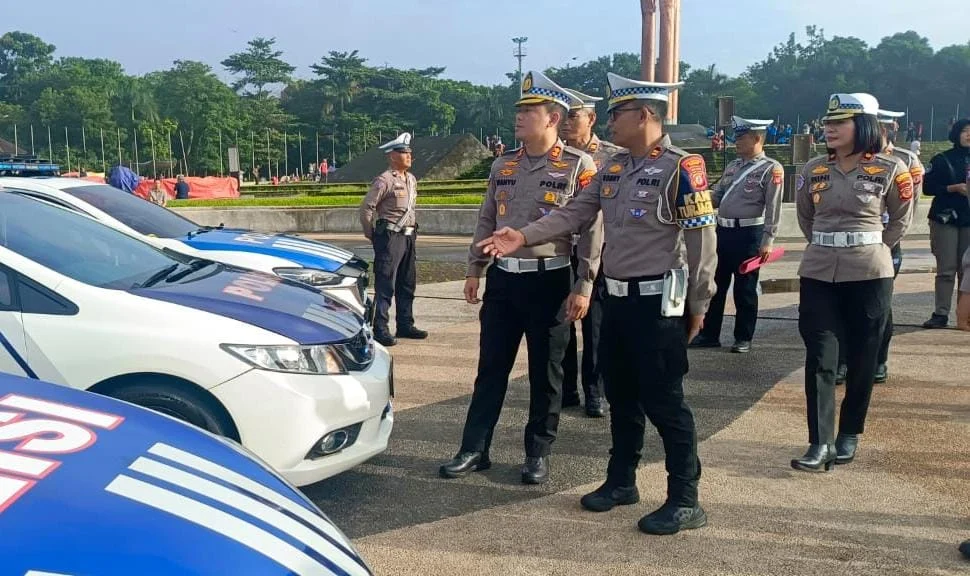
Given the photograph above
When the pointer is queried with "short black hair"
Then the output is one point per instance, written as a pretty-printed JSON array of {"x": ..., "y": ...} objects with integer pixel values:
[
  {"x": 958, "y": 127},
  {"x": 868, "y": 135},
  {"x": 554, "y": 107}
]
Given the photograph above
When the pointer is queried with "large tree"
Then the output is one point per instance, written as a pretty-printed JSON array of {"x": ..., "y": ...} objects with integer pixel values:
[{"x": 259, "y": 66}]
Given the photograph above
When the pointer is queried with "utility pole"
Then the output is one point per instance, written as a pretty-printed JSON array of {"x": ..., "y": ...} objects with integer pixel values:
[{"x": 519, "y": 54}]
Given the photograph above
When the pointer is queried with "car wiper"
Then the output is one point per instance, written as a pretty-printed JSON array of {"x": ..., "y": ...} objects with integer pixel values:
[
  {"x": 204, "y": 229},
  {"x": 158, "y": 276},
  {"x": 194, "y": 266}
]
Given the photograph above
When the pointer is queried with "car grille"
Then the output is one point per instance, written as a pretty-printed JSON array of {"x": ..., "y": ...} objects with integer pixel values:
[{"x": 358, "y": 353}]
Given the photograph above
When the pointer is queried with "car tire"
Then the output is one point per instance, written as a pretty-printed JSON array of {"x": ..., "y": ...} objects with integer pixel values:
[{"x": 178, "y": 402}]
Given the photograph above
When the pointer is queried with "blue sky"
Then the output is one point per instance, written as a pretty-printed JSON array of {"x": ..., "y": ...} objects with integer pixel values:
[{"x": 472, "y": 39}]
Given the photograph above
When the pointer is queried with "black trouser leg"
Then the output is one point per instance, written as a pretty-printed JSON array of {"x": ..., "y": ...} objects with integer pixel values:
[
  {"x": 592, "y": 386},
  {"x": 897, "y": 253},
  {"x": 406, "y": 283},
  {"x": 747, "y": 245},
  {"x": 501, "y": 333},
  {"x": 570, "y": 361},
  {"x": 644, "y": 361},
  {"x": 865, "y": 306},
  {"x": 722, "y": 277},
  {"x": 547, "y": 335},
  {"x": 389, "y": 250},
  {"x": 819, "y": 323}
]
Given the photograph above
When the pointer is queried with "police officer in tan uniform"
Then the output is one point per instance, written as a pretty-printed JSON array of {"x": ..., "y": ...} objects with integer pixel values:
[
  {"x": 391, "y": 200},
  {"x": 529, "y": 291},
  {"x": 748, "y": 199},
  {"x": 659, "y": 264},
  {"x": 847, "y": 270},
  {"x": 577, "y": 131}
]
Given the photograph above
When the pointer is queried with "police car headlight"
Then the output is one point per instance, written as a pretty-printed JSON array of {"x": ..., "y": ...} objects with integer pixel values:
[
  {"x": 310, "y": 276},
  {"x": 318, "y": 359}
]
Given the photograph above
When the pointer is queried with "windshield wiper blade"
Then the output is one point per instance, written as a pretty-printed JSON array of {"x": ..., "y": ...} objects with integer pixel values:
[
  {"x": 204, "y": 229},
  {"x": 158, "y": 276},
  {"x": 194, "y": 266}
]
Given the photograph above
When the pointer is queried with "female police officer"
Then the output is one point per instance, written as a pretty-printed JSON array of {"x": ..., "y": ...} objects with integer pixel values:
[{"x": 847, "y": 271}]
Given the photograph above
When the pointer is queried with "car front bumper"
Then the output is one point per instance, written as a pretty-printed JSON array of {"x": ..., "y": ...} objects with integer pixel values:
[{"x": 283, "y": 417}]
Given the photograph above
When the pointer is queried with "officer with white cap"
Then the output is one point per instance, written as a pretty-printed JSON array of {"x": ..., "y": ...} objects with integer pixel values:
[
  {"x": 577, "y": 131},
  {"x": 387, "y": 216},
  {"x": 748, "y": 198},
  {"x": 529, "y": 291},
  {"x": 659, "y": 264},
  {"x": 846, "y": 273}
]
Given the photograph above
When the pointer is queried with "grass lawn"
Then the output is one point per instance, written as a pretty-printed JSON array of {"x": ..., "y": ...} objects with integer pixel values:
[{"x": 317, "y": 201}]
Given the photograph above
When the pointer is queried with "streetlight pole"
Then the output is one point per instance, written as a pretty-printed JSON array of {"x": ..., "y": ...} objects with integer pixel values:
[{"x": 519, "y": 55}]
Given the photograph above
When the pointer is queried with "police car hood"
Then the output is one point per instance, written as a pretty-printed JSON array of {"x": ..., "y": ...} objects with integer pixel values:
[
  {"x": 288, "y": 308},
  {"x": 94, "y": 486},
  {"x": 306, "y": 253}
]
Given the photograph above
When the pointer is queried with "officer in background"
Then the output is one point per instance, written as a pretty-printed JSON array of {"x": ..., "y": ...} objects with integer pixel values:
[
  {"x": 529, "y": 291},
  {"x": 391, "y": 198},
  {"x": 659, "y": 264},
  {"x": 577, "y": 131},
  {"x": 846, "y": 274},
  {"x": 748, "y": 199}
]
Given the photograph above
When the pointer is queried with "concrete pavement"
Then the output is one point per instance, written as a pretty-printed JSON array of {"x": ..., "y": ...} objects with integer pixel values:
[{"x": 901, "y": 508}]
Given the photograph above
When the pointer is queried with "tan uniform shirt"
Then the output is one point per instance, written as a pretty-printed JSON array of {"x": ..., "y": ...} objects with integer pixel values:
[
  {"x": 758, "y": 195},
  {"x": 389, "y": 197},
  {"x": 658, "y": 215},
  {"x": 828, "y": 200},
  {"x": 521, "y": 190},
  {"x": 916, "y": 169},
  {"x": 601, "y": 150}
]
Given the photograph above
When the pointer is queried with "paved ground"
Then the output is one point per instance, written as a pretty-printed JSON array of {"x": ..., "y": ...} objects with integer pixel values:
[{"x": 901, "y": 508}]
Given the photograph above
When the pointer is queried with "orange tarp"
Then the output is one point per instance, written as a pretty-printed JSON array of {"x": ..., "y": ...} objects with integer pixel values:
[{"x": 208, "y": 187}]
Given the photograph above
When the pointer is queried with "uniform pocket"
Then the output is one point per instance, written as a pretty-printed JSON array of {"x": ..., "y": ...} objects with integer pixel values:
[{"x": 640, "y": 207}]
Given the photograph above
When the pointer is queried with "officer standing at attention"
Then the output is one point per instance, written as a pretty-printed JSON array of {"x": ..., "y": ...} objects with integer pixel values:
[
  {"x": 847, "y": 270},
  {"x": 392, "y": 197},
  {"x": 577, "y": 131},
  {"x": 657, "y": 209},
  {"x": 529, "y": 291},
  {"x": 748, "y": 199}
]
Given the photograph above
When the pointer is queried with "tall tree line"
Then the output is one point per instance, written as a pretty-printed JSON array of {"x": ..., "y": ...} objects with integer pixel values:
[{"x": 344, "y": 105}]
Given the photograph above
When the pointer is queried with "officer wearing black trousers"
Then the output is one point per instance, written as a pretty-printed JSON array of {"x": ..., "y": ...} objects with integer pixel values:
[
  {"x": 577, "y": 131},
  {"x": 658, "y": 262},
  {"x": 748, "y": 199},
  {"x": 391, "y": 198},
  {"x": 529, "y": 292},
  {"x": 846, "y": 272}
]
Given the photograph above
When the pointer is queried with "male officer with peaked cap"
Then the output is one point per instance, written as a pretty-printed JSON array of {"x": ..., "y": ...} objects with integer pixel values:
[
  {"x": 748, "y": 198},
  {"x": 391, "y": 198},
  {"x": 529, "y": 291},
  {"x": 577, "y": 131},
  {"x": 659, "y": 264}
]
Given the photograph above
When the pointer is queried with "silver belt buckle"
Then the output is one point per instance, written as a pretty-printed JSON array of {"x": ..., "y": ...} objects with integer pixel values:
[
  {"x": 840, "y": 240},
  {"x": 512, "y": 265},
  {"x": 409, "y": 230}
]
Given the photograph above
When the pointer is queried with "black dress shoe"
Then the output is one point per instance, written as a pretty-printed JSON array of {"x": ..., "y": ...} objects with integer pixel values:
[
  {"x": 604, "y": 498},
  {"x": 965, "y": 549},
  {"x": 570, "y": 401},
  {"x": 741, "y": 347},
  {"x": 845, "y": 445},
  {"x": 669, "y": 519},
  {"x": 841, "y": 374},
  {"x": 701, "y": 341},
  {"x": 463, "y": 463},
  {"x": 535, "y": 470},
  {"x": 881, "y": 375},
  {"x": 412, "y": 333},
  {"x": 818, "y": 458},
  {"x": 384, "y": 339},
  {"x": 936, "y": 321},
  {"x": 594, "y": 407}
]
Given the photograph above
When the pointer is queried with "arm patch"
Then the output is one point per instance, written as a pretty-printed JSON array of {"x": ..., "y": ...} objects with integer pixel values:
[
  {"x": 904, "y": 184},
  {"x": 695, "y": 205}
]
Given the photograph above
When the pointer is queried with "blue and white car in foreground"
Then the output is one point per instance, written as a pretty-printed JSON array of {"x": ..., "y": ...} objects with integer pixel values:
[
  {"x": 91, "y": 486},
  {"x": 328, "y": 268},
  {"x": 292, "y": 374}
]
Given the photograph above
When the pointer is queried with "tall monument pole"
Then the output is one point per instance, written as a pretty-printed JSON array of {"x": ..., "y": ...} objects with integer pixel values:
[
  {"x": 648, "y": 48},
  {"x": 675, "y": 96},
  {"x": 665, "y": 71}
]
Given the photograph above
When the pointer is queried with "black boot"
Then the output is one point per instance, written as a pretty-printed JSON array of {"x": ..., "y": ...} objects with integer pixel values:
[
  {"x": 463, "y": 463},
  {"x": 818, "y": 457},
  {"x": 701, "y": 341},
  {"x": 411, "y": 332},
  {"x": 383, "y": 337},
  {"x": 845, "y": 445},
  {"x": 936, "y": 321},
  {"x": 841, "y": 374},
  {"x": 741, "y": 347},
  {"x": 594, "y": 407},
  {"x": 965, "y": 549},
  {"x": 535, "y": 470},
  {"x": 670, "y": 519},
  {"x": 604, "y": 498},
  {"x": 882, "y": 374}
]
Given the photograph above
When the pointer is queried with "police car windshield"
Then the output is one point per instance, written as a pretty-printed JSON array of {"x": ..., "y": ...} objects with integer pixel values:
[
  {"x": 77, "y": 246},
  {"x": 139, "y": 215}
]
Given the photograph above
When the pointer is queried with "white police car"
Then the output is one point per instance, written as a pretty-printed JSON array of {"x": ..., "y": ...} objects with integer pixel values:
[
  {"x": 90, "y": 486},
  {"x": 291, "y": 373},
  {"x": 323, "y": 266}
]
